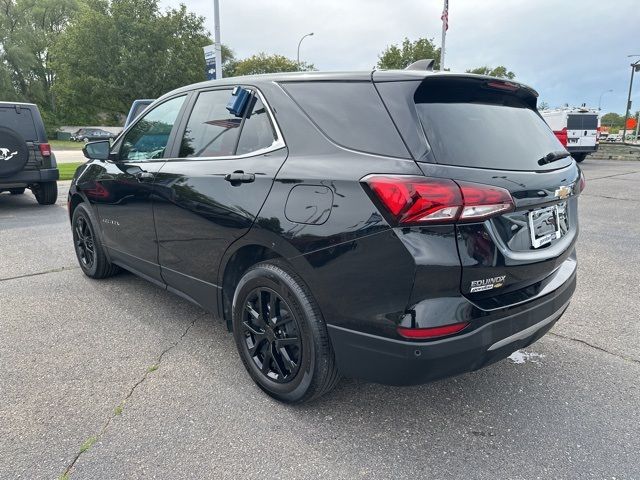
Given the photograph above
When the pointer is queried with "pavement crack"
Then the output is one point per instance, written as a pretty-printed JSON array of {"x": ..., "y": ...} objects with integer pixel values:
[
  {"x": 27, "y": 275},
  {"x": 591, "y": 345},
  {"x": 613, "y": 175},
  {"x": 610, "y": 198},
  {"x": 120, "y": 407}
]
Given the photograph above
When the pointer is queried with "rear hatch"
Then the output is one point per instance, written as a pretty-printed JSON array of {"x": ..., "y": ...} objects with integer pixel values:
[
  {"x": 582, "y": 131},
  {"x": 482, "y": 132}
]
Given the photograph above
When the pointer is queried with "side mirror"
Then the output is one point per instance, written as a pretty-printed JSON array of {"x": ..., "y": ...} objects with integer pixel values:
[{"x": 97, "y": 150}]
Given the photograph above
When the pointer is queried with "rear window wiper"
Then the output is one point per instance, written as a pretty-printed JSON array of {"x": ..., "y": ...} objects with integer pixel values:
[{"x": 553, "y": 156}]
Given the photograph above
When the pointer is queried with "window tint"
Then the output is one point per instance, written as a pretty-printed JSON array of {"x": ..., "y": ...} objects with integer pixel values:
[
  {"x": 582, "y": 122},
  {"x": 211, "y": 131},
  {"x": 21, "y": 123},
  {"x": 148, "y": 138},
  {"x": 488, "y": 136},
  {"x": 351, "y": 114},
  {"x": 257, "y": 130}
]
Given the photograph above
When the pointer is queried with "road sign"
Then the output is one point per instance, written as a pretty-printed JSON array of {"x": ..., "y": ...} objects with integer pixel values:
[{"x": 210, "y": 61}]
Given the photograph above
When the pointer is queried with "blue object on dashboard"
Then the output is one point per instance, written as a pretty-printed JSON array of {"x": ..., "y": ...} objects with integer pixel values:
[{"x": 238, "y": 102}]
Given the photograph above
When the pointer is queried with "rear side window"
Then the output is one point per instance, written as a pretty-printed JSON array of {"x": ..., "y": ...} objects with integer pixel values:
[
  {"x": 211, "y": 131},
  {"x": 21, "y": 123},
  {"x": 582, "y": 122},
  {"x": 257, "y": 130},
  {"x": 474, "y": 127},
  {"x": 351, "y": 114}
]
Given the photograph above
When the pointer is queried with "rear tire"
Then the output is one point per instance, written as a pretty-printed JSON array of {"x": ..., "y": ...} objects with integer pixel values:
[
  {"x": 46, "y": 193},
  {"x": 281, "y": 336},
  {"x": 579, "y": 157},
  {"x": 88, "y": 245},
  {"x": 17, "y": 191}
]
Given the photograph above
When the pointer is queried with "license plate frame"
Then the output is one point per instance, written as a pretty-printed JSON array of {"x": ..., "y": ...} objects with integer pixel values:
[{"x": 541, "y": 230}]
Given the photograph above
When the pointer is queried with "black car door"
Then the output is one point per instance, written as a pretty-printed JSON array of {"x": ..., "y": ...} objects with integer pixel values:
[
  {"x": 211, "y": 192},
  {"x": 123, "y": 190}
]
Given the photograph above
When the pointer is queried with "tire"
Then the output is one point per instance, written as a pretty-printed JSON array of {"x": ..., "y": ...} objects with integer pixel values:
[
  {"x": 85, "y": 239},
  {"x": 13, "y": 152},
  {"x": 46, "y": 193},
  {"x": 17, "y": 191},
  {"x": 579, "y": 157},
  {"x": 296, "y": 372}
]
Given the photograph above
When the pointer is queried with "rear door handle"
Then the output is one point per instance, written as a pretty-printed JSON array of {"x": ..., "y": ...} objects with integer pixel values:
[{"x": 238, "y": 177}]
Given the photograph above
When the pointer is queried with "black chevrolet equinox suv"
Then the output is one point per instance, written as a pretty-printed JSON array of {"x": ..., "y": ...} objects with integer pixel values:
[
  {"x": 26, "y": 159},
  {"x": 396, "y": 226}
]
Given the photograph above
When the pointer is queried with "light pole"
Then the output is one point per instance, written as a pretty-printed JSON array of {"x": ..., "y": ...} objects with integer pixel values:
[
  {"x": 216, "y": 33},
  {"x": 635, "y": 67},
  {"x": 299, "y": 43},
  {"x": 600, "y": 99}
]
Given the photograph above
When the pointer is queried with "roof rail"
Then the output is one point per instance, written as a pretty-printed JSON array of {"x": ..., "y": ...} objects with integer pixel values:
[{"x": 425, "y": 64}]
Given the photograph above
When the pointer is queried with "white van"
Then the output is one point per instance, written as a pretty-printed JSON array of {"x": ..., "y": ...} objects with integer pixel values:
[{"x": 576, "y": 128}]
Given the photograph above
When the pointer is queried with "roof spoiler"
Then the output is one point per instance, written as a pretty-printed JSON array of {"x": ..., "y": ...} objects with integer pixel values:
[{"x": 425, "y": 64}]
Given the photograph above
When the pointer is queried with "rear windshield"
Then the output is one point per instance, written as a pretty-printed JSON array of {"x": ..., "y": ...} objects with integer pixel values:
[
  {"x": 351, "y": 114},
  {"x": 20, "y": 122},
  {"x": 582, "y": 122},
  {"x": 486, "y": 131}
]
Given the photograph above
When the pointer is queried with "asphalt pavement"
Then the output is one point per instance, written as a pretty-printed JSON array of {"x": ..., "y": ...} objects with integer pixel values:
[{"x": 118, "y": 379}]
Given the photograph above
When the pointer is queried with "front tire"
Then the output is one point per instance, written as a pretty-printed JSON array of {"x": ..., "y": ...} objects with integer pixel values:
[
  {"x": 88, "y": 246},
  {"x": 46, "y": 193},
  {"x": 281, "y": 336}
]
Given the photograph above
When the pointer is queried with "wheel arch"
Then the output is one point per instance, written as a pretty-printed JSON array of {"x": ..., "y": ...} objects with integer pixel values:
[{"x": 246, "y": 254}]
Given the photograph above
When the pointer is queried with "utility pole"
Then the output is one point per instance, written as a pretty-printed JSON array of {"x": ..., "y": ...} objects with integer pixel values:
[
  {"x": 634, "y": 66},
  {"x": 216, "y": 33}
]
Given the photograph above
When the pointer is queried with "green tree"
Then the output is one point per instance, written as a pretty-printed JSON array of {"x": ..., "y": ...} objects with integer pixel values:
[
  {"x": 116, "y": 51},
  {"x": 28, "y": 31},
  {"x": 399, "y": 57},
  {"x": 543, "y": 105},
  {"x": 499, "y": 71},
  {"x": 263, "y": 63},
  {"x": 612, "y": 119}
]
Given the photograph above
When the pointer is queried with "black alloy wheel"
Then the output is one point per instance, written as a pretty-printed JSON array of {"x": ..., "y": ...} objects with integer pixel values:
[
  {"x": 85, "y": 243},
  {"x": 280, "y": 334},
  {"x": 271, "y": 335}
]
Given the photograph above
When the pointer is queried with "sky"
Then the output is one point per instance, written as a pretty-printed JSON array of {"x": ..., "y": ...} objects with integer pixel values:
[{"x": 570, "y": 51}]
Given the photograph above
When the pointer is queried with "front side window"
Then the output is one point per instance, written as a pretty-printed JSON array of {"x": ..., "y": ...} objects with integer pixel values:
[
  {"x": 211, "y": 131},
  {"x": 148, "y": 138}
]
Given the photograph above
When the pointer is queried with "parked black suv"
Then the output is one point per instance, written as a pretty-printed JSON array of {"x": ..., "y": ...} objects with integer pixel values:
[
  {"x": 397, "y": 226},
  {"x": 26, "y": 160}
]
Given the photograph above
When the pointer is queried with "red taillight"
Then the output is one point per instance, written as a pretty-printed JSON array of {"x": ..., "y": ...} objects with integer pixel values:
[
  {"x": 432, "y": 332},
  {"x": 416, "y": 200},
  {"x": 561, "y": 135},
  {"x": 45, "y": 149}
]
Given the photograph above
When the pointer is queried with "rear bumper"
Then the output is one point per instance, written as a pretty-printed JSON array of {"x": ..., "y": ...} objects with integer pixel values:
[
  {"x": 582, "y": 149},
  {"x": 28, "y": 177},
  {"x": 396, "y": 362}
]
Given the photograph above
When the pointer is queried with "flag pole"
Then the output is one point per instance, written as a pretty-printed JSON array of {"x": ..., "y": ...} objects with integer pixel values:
[{"x": 445, "y": 26}]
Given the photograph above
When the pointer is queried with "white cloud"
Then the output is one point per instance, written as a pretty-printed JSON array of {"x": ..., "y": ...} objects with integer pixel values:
[{"x": 570, "y": 51}]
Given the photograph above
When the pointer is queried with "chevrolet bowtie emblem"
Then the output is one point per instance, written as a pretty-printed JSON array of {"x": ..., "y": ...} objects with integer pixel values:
[{"x": 563, "y": 192}]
